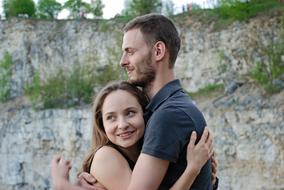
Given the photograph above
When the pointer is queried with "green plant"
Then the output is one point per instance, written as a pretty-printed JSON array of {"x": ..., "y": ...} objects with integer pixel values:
[
  {"x": 34, "y": 89},
  {"x": 15, "y": 8},
  {"x": 229, "y": 11},
  {"x": 97, "y": 8},
  {"x": 75, "y": 88},
  {"x": 207, "y": 90},
  {"x": 6, "y": 65},
  {"x": 265, "y": 72},
  {"x": 48, "y": 9},
  {"x": 243, "y": 10},
  {"x": 140, "y": 7},
  {"x": 104, "y": 25},
  {"x": 268, "y": 70},
  {"x": 77, "y": 8}
]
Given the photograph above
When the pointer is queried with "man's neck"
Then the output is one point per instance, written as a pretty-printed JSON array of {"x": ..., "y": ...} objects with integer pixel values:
[{"x": 160, "y": 81}]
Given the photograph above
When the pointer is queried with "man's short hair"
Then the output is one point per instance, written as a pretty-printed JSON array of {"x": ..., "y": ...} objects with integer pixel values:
[{"x": 156, "y": 27}]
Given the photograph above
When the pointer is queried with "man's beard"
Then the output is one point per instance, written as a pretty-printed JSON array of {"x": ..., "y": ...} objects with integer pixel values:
[{"x": 146, "y": 76}]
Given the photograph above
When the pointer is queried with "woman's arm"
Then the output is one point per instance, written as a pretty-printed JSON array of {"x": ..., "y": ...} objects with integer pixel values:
[
  {"x": 60, "y": 176},
  {"x": 111, "y": 169},
  {"x": 197, "y": 156}
]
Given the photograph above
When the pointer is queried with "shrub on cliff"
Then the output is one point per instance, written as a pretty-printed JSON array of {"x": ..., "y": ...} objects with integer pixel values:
[
  {"x": 48, "y": 9},
  {"x": 16, "y": 8},
  {"x": 5, "y": 76},
  {"x": 70, "y": 89}
]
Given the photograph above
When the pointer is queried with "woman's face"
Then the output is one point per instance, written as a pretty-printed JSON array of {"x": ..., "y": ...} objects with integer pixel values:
[{"x": 123, "y": 118}]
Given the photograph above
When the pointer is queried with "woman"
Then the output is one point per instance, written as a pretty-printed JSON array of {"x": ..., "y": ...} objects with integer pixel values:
[{"x": 118, "y": 128}]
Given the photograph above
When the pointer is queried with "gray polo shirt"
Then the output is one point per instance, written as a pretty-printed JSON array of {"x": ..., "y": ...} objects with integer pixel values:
[{"x": 171, "y": 117}]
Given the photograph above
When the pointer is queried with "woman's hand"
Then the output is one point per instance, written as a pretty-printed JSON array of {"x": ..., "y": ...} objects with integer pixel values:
[
  {"x": 199, "y": 154},
  {"x": 59, "y": 171}
]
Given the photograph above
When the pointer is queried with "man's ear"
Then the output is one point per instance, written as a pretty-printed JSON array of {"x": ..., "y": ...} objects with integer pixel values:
[{"x": 159, "y": 50}]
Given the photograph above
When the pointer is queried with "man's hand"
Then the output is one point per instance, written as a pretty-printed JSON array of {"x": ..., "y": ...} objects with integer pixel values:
[{"x": 89, "y": 182}]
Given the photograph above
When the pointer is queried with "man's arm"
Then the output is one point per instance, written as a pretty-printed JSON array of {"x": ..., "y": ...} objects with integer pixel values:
[{"x": 148, "y": 173}]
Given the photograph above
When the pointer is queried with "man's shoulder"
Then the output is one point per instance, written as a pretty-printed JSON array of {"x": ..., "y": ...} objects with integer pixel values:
[
  {"x": 180, "y": 103},
  {"x": 179, "y": 110}
]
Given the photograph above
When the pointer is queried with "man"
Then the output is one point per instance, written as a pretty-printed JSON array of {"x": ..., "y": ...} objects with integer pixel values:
[{"x": 150, "y": 47}]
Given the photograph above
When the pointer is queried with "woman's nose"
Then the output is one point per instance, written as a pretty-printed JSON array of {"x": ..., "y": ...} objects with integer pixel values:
[{"x": 123, "y": 124}]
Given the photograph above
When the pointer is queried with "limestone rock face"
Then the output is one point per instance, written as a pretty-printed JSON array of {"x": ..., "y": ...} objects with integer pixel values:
[{"x": 247, "y": 124}]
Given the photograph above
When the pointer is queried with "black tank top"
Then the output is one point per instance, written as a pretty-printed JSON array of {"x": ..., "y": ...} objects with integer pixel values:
[{"x": 130, "y": 162}]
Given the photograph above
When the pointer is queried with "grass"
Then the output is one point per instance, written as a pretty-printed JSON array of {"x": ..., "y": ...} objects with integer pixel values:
[
  {"x": 230, "y": 11},
  {"x": 6, "y": 65},
  {"x": 208, "y": 90}
]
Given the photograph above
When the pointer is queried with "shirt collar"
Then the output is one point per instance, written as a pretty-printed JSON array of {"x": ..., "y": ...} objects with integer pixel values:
[{"x": 163, "y": 94}]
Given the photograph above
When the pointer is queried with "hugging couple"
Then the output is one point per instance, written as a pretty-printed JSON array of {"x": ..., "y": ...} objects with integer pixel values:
[{"x": 147, "y": 133}]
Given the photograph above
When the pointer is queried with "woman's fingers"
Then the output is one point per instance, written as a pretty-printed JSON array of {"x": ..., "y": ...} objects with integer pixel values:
[
  {"x": 205, "y": 135},
  {"x": 192, "y": 140},
  {"x": 56, "y": 159}
]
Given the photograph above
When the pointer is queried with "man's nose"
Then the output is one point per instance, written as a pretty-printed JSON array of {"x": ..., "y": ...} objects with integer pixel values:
[{"x": 123, "y": 61}]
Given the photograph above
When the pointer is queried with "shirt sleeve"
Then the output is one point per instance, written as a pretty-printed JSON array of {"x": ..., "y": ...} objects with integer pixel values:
[{"x": 167, "y": 132}]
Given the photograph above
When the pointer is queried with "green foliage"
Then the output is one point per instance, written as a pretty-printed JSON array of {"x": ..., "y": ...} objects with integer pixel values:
[
  {"x": 5, "y": 5},
  {"x": 207, "y": 90},
  {"x": 77, "y": 8},
  {"x": 5, "y": 76},
  {"x": 265, "y": 72},
  {"x": 76, "y": 88},
  {"x": 15, "y": 8},
  {"x": 229, "y": 11},
  {"x": 195, "y": 6},
  {"x": 243, "y": 10},
  {"x": 34, "y": 89},
  {"x": 272, "y": 68},
  {"x": 48, "y": 9},
  {"x": 140, "y": 7},
  {"x": 97, "y": 8}
]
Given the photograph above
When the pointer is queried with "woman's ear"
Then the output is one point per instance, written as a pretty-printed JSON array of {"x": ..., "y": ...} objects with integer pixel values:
[{"x": 159, "y": 50}]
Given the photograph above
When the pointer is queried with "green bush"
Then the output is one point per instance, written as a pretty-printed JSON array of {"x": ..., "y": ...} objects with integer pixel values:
[
  {"x": 135, "y": 8},
  {"x": 77, "y": 88},
  {"x": 265, "y": 72},
  {"x": 5, "y": 76},
  {"x": 15, "y": 8},
  {"x": 240, "y": 10},
  {"x": 48, "y": 9}
]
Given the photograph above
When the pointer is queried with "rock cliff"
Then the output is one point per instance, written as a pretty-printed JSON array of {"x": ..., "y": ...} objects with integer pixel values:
[{"x": 247, "y": 123}]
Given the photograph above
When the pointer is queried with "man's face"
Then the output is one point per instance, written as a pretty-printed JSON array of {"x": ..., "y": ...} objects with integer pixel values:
[{"x": 137, "y": 58}]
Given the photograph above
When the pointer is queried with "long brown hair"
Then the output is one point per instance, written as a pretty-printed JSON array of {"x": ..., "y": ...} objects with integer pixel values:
[{"x": 99, "y": 137}]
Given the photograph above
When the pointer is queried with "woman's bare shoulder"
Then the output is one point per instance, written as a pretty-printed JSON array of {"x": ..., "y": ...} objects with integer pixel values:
[{"x": 107, "y": 164}]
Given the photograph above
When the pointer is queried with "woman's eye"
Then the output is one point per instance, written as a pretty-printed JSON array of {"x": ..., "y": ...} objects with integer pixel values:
[
  {"x": 131, "y": 113},
  {"x": 110, "y": 118}
]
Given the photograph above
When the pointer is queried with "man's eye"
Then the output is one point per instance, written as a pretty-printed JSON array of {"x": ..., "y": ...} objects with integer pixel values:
[{"x": 130, "y": 52}]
